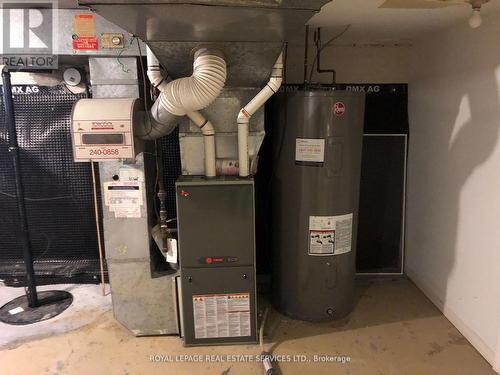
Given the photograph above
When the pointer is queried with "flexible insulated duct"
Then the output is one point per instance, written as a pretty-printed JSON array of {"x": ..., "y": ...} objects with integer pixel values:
[
  {"x": 189, "y": 94},
  {"x": 186, "y": 96}
]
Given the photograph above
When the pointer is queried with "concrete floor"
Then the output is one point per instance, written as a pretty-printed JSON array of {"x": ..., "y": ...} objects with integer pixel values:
[
  {"x": 394, "y": 329},
  {"x": 88, "y": 304}
]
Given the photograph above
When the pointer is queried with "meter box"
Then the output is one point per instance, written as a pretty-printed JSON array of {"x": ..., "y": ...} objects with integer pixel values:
[{"x": 102, "y": 129}]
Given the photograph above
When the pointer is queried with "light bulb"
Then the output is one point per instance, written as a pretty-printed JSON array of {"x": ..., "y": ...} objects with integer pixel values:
[{"x": 475, "y": 20}]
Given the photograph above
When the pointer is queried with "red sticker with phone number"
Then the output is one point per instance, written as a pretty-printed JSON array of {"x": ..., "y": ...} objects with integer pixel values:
[{"x": 85, "y": 44}]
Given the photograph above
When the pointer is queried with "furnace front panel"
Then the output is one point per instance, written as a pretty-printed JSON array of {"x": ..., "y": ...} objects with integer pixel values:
[{"x": 217, "y": 260}]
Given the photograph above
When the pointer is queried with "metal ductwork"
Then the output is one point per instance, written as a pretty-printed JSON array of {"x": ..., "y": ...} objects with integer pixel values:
[
  {"x": 250, "y": 33},
  {"x": 233, "y": 43}
]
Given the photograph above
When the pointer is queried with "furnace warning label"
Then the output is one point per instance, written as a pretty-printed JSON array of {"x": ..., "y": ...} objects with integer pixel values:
[
  {"x": 221, "y": 315},
  {"x": 310, "y": 150},
  {"x": 330, "y": 235}
]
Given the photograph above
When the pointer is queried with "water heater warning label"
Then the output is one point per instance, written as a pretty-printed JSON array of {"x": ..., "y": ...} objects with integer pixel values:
[
  {"x": 310, "y": 150},
  {"x": 330, "y": 235},
  {"x": 221, "y": 315}
]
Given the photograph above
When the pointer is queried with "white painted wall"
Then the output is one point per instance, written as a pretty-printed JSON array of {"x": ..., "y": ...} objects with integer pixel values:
[
  {"x": 453, "y": 218},
  {"x": 363, "y": 64}
]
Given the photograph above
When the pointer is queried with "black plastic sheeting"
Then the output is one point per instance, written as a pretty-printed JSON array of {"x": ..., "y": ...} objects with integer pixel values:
[
  {"x": 171, "y": 161},
  {"x": 58, "y": 192},
  {"x": 381, "y": 205}
]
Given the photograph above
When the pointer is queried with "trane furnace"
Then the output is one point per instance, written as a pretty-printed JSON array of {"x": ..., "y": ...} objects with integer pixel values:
[
  {"x": 217, "y": 260},
  {"x": 197, "y": 279}
]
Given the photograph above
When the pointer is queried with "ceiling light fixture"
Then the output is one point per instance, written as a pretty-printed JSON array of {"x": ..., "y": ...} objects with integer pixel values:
[{"x": 476, "y": 20}]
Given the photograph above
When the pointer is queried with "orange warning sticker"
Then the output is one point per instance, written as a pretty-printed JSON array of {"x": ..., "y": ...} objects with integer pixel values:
[
  {"x": 84, "y": 33},
  {"x": 84, "y": 25}
]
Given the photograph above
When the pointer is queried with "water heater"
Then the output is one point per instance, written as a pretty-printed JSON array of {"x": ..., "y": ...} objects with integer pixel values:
[{"x": 318, "y": 143}]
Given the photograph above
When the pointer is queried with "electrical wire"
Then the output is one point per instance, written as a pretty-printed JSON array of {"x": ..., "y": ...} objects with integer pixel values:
[
  {"x": 322, "y": 47},
  {"x": 124, "y": 68}
]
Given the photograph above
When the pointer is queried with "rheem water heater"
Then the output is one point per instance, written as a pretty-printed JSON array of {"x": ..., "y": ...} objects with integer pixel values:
[{"x": 315, "y": 202}]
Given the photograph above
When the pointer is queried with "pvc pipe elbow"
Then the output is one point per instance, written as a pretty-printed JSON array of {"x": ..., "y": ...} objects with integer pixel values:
[
  {"x": 205, "y": 125},
  {"x": 277, "y": 74},
  {"x": 245, "y": 113},
  {"x": 154, "y": 77},
  {"x": 243, "y": 116},
  {"x": 207, "y": 129}
]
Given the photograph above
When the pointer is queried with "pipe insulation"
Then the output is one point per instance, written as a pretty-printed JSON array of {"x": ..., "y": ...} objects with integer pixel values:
[
  {"x": 186, "y": 96},
  {"x": 246, "y": 113}
]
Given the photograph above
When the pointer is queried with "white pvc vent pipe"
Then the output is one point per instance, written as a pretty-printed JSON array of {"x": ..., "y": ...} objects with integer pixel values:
[
  {"x": 154, "y": 73},
  {"x": 207, "y": 129},
  {"x": 186, "y": 96},
  {"x": 246, "y": 112}
]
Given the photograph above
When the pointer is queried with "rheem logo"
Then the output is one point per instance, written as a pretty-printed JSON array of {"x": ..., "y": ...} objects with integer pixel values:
[{"x": 339, "y": 109}]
